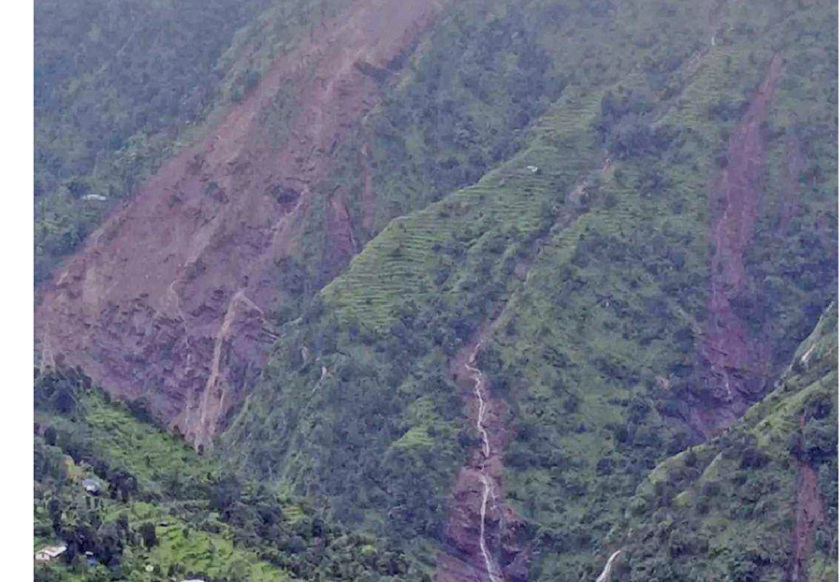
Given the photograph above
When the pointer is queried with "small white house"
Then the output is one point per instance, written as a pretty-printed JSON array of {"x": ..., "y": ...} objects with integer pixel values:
[
  {"x": 92, "y": 486},
  {"x": 49, "y": 553}
]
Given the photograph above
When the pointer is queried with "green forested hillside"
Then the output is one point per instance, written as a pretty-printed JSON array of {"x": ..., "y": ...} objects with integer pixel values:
[
  {"x": 541, "y": 176},
  {"x": 590, "y": 246},
  {"x": 600, "y": 358},
  {"x": 165, "y": 511},
  {"x": 729, "y": 509}
]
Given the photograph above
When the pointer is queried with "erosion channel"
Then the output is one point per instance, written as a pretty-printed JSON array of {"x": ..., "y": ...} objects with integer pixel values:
[{"x": 482, "y": 536}]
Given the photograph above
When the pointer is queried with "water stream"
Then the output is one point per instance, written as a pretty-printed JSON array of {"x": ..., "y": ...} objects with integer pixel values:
[
  {"x": 486, "y": 479},
  {"x": 605, "y": 575}
]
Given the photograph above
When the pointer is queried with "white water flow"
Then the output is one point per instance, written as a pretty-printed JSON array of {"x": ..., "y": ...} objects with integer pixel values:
[
  {"x": 605, "y": 575},
  {"x": 486, "y": 481}
]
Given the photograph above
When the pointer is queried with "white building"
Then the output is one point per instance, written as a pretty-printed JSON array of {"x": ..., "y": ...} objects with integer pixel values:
[{"x": 49, "y": 553}]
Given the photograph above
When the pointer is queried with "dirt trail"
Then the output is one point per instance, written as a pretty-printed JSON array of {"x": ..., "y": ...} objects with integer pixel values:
[
  {"x": 736, "y": 364},
  {"x": 167, "y": 299}
]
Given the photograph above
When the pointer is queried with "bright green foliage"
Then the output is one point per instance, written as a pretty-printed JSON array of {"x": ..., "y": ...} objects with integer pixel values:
[{"x": 162, "y": 510}]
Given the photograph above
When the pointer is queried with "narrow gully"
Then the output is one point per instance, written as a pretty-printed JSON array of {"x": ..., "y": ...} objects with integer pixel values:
[{"x": 486, "y": 480}]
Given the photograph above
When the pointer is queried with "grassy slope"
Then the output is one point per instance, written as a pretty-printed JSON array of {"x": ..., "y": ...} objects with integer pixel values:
[
  {"x": 367, "y": 418},
  {"x": 725, "y": 509},
  {"x": 174, "y": 485},
  {"x": 156, "y": 459}
]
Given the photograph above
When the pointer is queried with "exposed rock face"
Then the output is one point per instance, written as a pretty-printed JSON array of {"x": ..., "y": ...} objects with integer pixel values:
[
  {"x": 168, "y": 299},
  {"x": 736, "y": 364}
]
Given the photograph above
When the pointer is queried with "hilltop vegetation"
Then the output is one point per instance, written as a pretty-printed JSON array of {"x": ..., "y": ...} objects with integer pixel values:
[{"x": 163, "y": 510}]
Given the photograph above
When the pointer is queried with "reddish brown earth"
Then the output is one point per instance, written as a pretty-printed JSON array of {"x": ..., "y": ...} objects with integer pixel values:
[
  {"x": 736, "y": 365},
  {"x": 168, "y": 299},
  {"x": 505, "y": 538},
  {"x": 809, "y": 515}
]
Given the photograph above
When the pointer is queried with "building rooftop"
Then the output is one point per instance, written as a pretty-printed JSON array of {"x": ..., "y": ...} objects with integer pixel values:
[{"x": 49, "y": 552}]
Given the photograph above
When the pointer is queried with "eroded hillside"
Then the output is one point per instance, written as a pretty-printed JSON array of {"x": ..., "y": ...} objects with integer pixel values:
[
  {"x": 595, "y": 248},
  {"x": 468, "y": 275},
  {"x": 168, "y": 299}
]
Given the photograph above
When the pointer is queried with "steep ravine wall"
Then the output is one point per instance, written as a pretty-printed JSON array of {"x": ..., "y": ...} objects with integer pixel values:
[{"x": 168, "y": 299}]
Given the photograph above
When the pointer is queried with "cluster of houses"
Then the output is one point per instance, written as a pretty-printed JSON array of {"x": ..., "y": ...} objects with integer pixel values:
[{"x": 50, "y": 553}]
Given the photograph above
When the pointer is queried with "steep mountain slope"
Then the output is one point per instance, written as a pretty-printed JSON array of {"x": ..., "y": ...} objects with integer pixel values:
[
  {"x": 758, "y": 503},
  {"x": 464, "y": 274},
  {"x": 606, "y": 357},
  {"x": 121, "y": 86},
  {"x": 116, "y": 83},
  {"x": 591, "y": 252},
  {"x": 181, "y": 279}
]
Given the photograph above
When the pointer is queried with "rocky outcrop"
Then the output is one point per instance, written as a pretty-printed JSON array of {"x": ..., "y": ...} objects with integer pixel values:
[{"x": 168, "y": 300}]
